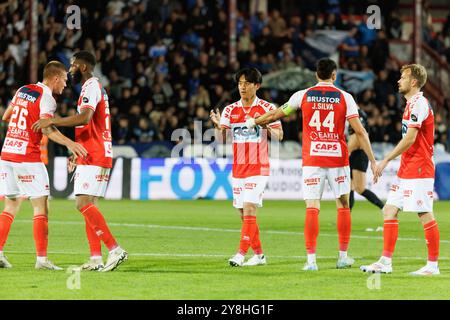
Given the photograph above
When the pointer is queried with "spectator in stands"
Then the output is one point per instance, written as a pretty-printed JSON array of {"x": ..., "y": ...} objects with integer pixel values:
[
  {"x": 350, "y": 46},
  {"x": 121, "y": 131},
  {"x": 144, "y": 132},
  {"x": 379, "y": 53},
  {"x": 167, "y": 55},
  {"x": 277, "y": 25},
  {"x": 366, "y": 35},
  {"x": 382, "y": 88},
  {"x": 394, "y": 26},
  {"x": 257, "y": 24}
]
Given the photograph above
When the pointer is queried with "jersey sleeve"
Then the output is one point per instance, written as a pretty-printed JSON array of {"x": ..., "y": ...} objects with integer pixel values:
[
  {"x": 294, "y": 102},
  {"x": 13, "y": 100},
  {"x": 47, "y": 106},
  {"x": 225, "y": 121},
  {"x": 419, "y": 113},
  {"x": 91, "y": 96},
  {"x": 275, "y": 124},
  {"x": 352, "y": 107}
]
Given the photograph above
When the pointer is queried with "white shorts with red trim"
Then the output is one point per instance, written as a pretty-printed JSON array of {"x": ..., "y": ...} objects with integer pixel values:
[
  {"x": 250, "y": 189},
  {"x": 29, "y": 179},
  {"x": 91, "y": 180},
  {"x": 412, "y": 195},
  {"x": 314, "y": 181}
]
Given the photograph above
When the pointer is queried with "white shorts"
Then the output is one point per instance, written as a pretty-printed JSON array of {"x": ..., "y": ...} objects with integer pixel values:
[
  {"x": 29, "y": 179},
  {"x": 314, "y": 181},
  {"x": 412, "y": 195},
  {"x": 250, "y": 189},
  {"x": 2, "y": 181},
  {"x": 91, "y": 180}
]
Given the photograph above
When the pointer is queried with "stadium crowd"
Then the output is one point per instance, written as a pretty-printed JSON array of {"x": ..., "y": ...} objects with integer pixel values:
[{"x": 165, "y": 63}]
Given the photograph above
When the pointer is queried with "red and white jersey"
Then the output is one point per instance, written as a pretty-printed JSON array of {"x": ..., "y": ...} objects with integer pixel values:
[
  {"x": 325, "y": 109},
  {"x": 30, "y": 103},
  {"x": 417, "y": 161},
  {"x": 250, "y": 148},
  {"x": 96, "y": 135}
]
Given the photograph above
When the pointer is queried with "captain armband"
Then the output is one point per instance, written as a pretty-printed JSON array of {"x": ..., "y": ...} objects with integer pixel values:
[{"x": 287, "y": 109}]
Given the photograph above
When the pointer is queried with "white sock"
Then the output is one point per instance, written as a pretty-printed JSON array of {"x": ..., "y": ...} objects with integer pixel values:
[
  {"x": 115, "y": 249},
  {"x": 41, "y": 259},
  {"x": 342, "y": 254},
  {"x": 385, "y": 260},
  {"x": 311, "y": 258},
  {"x": 96, "y": 257},
  {"x": 432, "y": 264}
]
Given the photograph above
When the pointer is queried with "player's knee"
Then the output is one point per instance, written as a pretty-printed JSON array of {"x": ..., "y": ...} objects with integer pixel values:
[
  {"x": 12, "y": 206},
  {"x": 81, "y": 202},
  {"x": 11, "y": 209},
  {"x": 249, "y": 209},
  {"x": 80, "y": 205},
  {"x": 360, "y": 189},
  {"x": 343, "y": 201},
  {"x": 389, "y": 213},
  {"x": 426, "y": 217}
]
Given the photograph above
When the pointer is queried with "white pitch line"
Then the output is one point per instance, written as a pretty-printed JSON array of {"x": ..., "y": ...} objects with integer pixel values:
[
  {"x": 202, "y": 255},
  {"x": 155, "y": 226}
]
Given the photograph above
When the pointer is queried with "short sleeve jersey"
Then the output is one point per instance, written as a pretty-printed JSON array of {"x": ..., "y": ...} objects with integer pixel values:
[
  {"x": 250, "y": 147},
  {"x": 325, "y": 109},
  {"x": 363, "y": 119},
  {"x": 417, "y": 162},
  {"x": 96, "y": 135},
  {"x": 30, "y": 103}
]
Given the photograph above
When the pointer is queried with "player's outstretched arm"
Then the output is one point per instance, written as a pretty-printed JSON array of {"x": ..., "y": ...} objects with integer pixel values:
[
  {"x": 55, "y": 135},
  {"x": 80, "y": 119},
  {"x": 404, "y": 144},
  {"x": 266, "y": 118},
  {"x": 7, "y": 115}
]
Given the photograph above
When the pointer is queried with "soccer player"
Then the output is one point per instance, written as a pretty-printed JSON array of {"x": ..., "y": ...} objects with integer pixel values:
[
  {"x": 359, "y": 163},
  {"x": 250, "y": 159},
  {"x": 93, "y": 130},
  {"x": 325, "y": 109},
  {"x": 21, "y": 169},
  {"x": 413, "y": 190}
]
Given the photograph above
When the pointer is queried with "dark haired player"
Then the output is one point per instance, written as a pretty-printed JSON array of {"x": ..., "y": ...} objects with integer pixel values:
[
  {"x": 250, "y": 159},
  {"x": 325, "y": 108},
  {"x": 93, "y": 130}
]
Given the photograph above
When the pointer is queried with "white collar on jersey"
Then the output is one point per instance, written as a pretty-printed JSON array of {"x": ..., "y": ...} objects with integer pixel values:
[
  {"x": 417, "y": 95},
  {"x": 321, "y": 83},
  {"x": 45, "y": 87},
  {"x": 89, "y": 80},
  {"x": 254, "y": 103}
]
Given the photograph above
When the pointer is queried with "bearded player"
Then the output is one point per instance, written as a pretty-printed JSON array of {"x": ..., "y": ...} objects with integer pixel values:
[
  {"x": 93, "y": 130},
  {"x": 413, "y": 190}
]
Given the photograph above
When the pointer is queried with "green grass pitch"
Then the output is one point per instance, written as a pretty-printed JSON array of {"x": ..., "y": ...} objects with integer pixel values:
[{"x": 179, "y": 250}]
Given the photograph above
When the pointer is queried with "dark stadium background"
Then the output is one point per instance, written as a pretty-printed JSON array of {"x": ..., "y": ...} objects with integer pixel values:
[{"x": 166, "y": 63}]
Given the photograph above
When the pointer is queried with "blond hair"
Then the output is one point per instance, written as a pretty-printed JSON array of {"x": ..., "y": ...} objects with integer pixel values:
[
  {"x": 418, "y": 72},
  {"x": 54, "y": 68}
]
